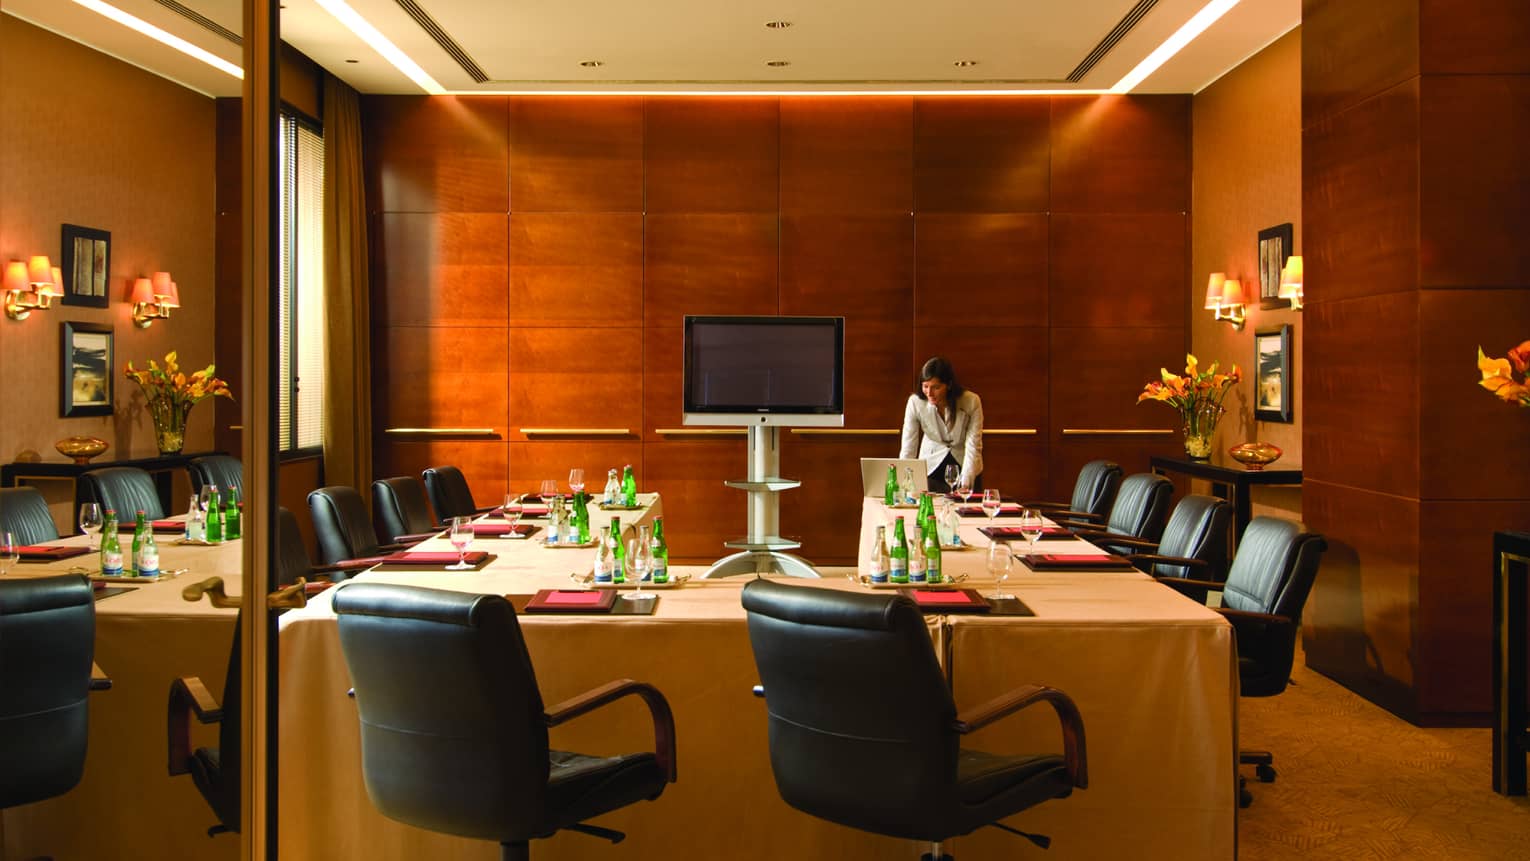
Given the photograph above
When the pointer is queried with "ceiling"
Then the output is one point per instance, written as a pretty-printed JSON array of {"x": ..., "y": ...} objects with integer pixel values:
[{"x": 701, "y": 45}]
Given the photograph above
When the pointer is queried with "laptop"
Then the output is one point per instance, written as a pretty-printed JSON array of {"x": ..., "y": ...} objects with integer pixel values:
[{"x": 874, "y": 474}]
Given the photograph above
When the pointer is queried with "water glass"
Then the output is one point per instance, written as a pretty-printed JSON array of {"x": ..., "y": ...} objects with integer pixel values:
[
  {"x": 964, "y": 488},
  {"x": 1000, "y": 562},
  {"x": 10, "y": 552},
  {"x": 992, "y": 501},
  {"x": 639, "y": 563},
  {"x": 1031, "y": 526},
  {"x": 511, "y": 511},
  {"x": 576, "y": 480},
  {"x": 90, "y": 519},
  {"x": 953, "y": 475},
  {"x": 461, "y": 535},
  {"x": 549, "y": 489}
]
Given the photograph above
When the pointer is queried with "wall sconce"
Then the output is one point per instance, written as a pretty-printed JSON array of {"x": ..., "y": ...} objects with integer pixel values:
[
  {"x": 30, "y": 286},
  {"x": 153, "y": 298},
  {"x": 1291, "y": 282},
  {"x": 1225, "y": 297}
]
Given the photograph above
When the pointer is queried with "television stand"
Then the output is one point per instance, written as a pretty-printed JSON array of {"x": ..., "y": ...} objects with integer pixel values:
[{"x": 763, "y": 550}]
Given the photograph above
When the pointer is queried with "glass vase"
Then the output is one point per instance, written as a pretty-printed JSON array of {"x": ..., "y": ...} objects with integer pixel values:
[
  {"x": 1200, "y": 424},
  {"x": 169, "y": 425}
]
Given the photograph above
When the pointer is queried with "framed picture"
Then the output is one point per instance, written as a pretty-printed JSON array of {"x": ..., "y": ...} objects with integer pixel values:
[
  {"x": 1272, "y": 374},
  {"x": 85, "y": 370},
  {"x": 86, "y": 265},
  {"x": 1275, "y": 245}
]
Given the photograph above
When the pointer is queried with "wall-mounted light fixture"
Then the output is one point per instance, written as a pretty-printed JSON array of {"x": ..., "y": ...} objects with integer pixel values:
[
  {"x": 1291, "y": 282},
  {"x": 153, "y": 298},
  {"x": 30, "y": 286},
  {"x": 1225, "y": 297}
]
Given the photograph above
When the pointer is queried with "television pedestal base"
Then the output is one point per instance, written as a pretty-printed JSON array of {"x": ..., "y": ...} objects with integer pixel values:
[{"x": 763, "y": 548}]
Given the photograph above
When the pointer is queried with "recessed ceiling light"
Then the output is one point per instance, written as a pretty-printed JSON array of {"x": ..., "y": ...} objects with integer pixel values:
[
  {"x": 778, "y": 25},
  {"x": 962, "y": 64},
  {"x": 591, "y": 64},
  {"x": 778, "y": 63}
]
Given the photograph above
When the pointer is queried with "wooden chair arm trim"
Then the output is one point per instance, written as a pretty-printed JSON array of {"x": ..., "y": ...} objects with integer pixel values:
[
  {"x": 1155, "y": 558},
  {"x": 188, "y": 696},
  {"x": 1114, "y": 538},
  {"x": 1252, "y": 616},
  {"x": 414, "y": 538},
  {"x": 99, "y": 680},
  {"x": 352, "y": 564},
  {"x": 658, "y": 708},
  {"x": 1095, "y": 520},
  {"x": 1187, "y": 586},
  {"x": 1072, "y": 723}
]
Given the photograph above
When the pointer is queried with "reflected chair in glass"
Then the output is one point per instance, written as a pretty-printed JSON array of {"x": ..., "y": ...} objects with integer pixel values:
[
  {"x": 454, "y": 734},
  {"x": 218, "y": 469},
  {"x": 1263, "y": 597},
  {"x": 881, "y": 751},
  {"x": 24, "y": 513},
  {"x": 1140, "y": 511},
  {"x": 125, "y": 490},
  {"x": 400, "y": 511},
  {"x": 1094, "y": 491},
  {"x": 450, "y": 495},
  {"x": 344, "y": 530}
]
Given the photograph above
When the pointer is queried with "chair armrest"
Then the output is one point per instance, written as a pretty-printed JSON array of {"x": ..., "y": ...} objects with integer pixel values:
[
  {"x": 395, "y": 546},
  {"x": 1114, "y": 538},
  {"x": 1191, "y": 588},
  {"x": 351, "y": 564},
  {"x": 1246, "y": 619},
  {"x": 1070, "y": 514},
  {"x": 99, "y": 680},
  {"x": 414, "y": 538},
  {"x": 1074, "y": 754},
  {"x": 188, "y": 696},
  {"x": 658, "y": 708},
  {"x": 1155, "y": 558}
]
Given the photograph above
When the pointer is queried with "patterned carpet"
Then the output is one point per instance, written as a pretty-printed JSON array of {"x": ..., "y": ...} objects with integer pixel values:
[{"x": 1355, "y": 782}]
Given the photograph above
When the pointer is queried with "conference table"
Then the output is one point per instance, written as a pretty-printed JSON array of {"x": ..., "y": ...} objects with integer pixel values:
[{"x": 1153, "y": 673}]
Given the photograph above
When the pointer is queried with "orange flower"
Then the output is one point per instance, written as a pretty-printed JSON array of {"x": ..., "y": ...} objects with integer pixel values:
[
  {"x": 1196, "y": 387},
  {"x": 167, "y": 387},
  {"x": 1498, "y": 375}
]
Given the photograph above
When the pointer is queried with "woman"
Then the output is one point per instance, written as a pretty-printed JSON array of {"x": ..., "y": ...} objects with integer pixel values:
[{"x": 943, "y": 424}]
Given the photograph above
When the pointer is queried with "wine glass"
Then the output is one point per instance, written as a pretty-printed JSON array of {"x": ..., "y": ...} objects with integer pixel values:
[
  {"x": 576, "y": 480},
  {"x": 964, "y": 488},
  {"x": 511, "y": 511},
  {"x": 204, "y": 498},
  {"x": 549, "y": 489},
  {"x": 991, "y": 503},
  {"x": 461, "y": 535},
  {"x": 1000, "y": 562},
  {"x": 639, "y": 563},
  {"x": 90, "y": 518},
  {"x": 953, "y": 475},
  {"x": 10, "y": 553},
  {"x": 1031, "y": 526}
]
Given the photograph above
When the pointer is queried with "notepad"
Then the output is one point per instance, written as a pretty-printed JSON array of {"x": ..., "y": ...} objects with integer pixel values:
[
  {"x": 50, "y": 552},
  {"x": 1040, "y": 561},
  {"x": 571, "y": 601},
  {"x": 433, "y": 557}
]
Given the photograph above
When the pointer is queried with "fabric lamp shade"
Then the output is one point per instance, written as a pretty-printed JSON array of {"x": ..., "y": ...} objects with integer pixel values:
[
  {"x": 161, "y": 282},
  {"x": 40, "y": 270},
  {"x": 1214, "y": 290},
  {"x": 16, "y": 276},
  {"x": 1291, "y": 278},
  {"x": 1232, "y": 292},
  {"x": 56, "y": 287},
  {"x": 171, "y": 298},
  {"x": 143, "y": 292}
]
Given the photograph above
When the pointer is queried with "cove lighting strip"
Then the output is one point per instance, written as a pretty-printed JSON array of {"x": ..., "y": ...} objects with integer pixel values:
[
  {"x": 381, "y": 44},
  {"x": 1197, "y": 25},
  {"x": 161, "y": 36}
]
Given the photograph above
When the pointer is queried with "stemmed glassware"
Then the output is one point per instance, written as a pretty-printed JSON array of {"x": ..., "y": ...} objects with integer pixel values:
[
  {"x": 10, "y": 554},
  {"x": 90, "y": 519},
  {"x": 549, "y": 490},
  {"x": 1031, "y": 527},
  {"x": 639, "y": 562},
  {"x": 953, "y": 474},
  {"x": 204, "y": 499},
  {"x": 992, "y": 501},
  {"x": 461, "y": 535},
  {"x": 964, "y": 488},
  {"x": 511, "y": 511},
  {"x": 576, "y": 480},
  {"x": 1000, "y": 562}
]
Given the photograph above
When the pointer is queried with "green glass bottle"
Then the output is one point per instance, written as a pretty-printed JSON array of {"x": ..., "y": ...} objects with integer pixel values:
[
  {"x": 934, "y": 570},
  {"x": 581, "y": 518},
  {"x": 148, "y": 556},
  {"x": 134, "y": 562},
  {"x": 214, "y": 517},
  {"x": 890, "y": 490},
  {"x": 926, "y": 506},
  {"x": 231, "y": 516},
  {"x": 660, "y": 549},
  {"x": 899, "y": 554},
  {"x": 629, "y": 487},
  {"x": 621, "y": 555},
  {"x": 111, "y": 548}
]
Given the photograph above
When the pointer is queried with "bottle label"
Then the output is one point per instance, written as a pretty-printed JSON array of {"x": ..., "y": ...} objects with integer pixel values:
[
  {"x": 661, "y": 573},
  {"x": 149, "y": 566},
  {"x": 932, "y": 572},
  {"x": 878, "y": 575},
  {"x": 899, "y": 571},
  {"x": 916, "y": 571},
  {"x": 603, "y": 573},
  {"x": 111, "y": 563}
]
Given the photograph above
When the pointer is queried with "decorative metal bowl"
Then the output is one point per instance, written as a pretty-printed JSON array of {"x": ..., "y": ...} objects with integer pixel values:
[
  {"x": 81, "y": 448},
  {"x": 1255, "y": 455}
]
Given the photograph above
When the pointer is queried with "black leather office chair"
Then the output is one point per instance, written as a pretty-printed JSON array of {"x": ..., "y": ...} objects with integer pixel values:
[
  {"x": 454, "y": 732},
  {"x": 449, "y": 493},
  {"x": 1193, "y": 546},
  {"x": 125, "y": 490},
  {"x": 1263, "y": 597},
  {"x": 1140, "y": 510},
  {"x": 344, "y": 529},
  {"x": 218, "y": 469},
  {"x": 1093, "y": 493},
  {"x": 863, "y": 729},
  {"x": 24, "y": 513},
  {"x": 47, "y": 646},
  {"x": 400, "y": 510}
]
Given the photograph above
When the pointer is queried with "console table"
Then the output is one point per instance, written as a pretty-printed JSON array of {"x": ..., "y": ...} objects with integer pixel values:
[
  {"x": 162, "y": 467},
  {"x": 1230, "y": 480},
  {"x": 1511, "y": 711}
]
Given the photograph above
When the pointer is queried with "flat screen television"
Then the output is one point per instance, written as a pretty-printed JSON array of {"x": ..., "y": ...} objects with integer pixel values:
[{"x": 787, "y": 371}]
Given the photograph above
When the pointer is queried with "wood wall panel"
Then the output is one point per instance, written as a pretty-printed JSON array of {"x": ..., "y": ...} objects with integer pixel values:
[
  {"x": 484, "y": 463},
  {"x": 1067, "y": 457},
  {"x": 1099, "y": 372},
  {"x": 712, "y": 154},
  {"x": 1016, "y": 465},
  {"x": 439, "y": 269},
  {"x": 532, "y": 463},
  {"x": 1121, "y": 154},
  {"x": 825, "y": 512},
  {"x": 699, "y": 512},
  {"x": 879, "y": 373},
  {"x": 440, "y": 378},
  {"x": 858, "y": 266},
  {"x": 989, "y": 266},
  {"x": 1360, "y": 192},
  {"x": 847, "y": 155},
  {"x": 981, "y": 155},
  {"x": 576, "y": 154},
  {"x": 1345, "y": 381},
  {"x": 1352, "y": 51},
  {"x": 1474, "y": 179},
  {"x": 1006, "y": 367},
  {"x": 436, "y": 153},
  {"x": 575, "y": 378},
  {"x": 1490, "y": 40},
  {"x": 1462, "y": 426},
  {"x": 576, "y": 269},
  {"x": 708, "y": 264},
  {"x": 1119, "y": 270},
  {"x": 663, "y": 364}
]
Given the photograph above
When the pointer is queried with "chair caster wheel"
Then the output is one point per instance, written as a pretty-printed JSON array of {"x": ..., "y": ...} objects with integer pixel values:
[{"x": 1266, "y": 773}]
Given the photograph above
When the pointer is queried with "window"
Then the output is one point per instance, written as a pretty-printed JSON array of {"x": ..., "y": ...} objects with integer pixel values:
[{"x": 301, "y": 237}]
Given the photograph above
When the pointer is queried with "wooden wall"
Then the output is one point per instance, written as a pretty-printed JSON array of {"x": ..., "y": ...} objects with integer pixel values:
[
  {"x": 1414, "y": 121},
  {"x": 533, "y": 258}
]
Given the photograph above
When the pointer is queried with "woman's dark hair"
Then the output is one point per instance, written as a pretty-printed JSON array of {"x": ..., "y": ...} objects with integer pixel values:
[{"x": 939, "y": 368}]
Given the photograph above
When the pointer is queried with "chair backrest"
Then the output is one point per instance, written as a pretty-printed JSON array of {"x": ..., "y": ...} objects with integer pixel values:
[
  {"x": 1141, "y": 507},
  {"x": 125, "y": 490},
  {"x": 1274, "y": 568},
  {"x": 1196, "y": 530},
  {"x": 452, "y": 731},
  {"x": 399, "y": 507},
  {"x": 24, "y": 513},
  {"x": 861, "y": 720},
  {"x": 219, "y": 469},
  {"x": 1096, "y": 487},
  {"x": 47, "y": 643},
  {"x": 449, "y": 492},
  {"x": 341, "y": 524},
  {"x": 292, "y": 559}
]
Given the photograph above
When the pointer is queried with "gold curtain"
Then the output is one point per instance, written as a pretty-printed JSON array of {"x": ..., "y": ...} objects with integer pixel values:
[{"x": 348, "y": 382}]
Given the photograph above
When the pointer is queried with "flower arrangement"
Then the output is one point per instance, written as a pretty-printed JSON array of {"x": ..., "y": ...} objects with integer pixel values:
[
  {"x": 1498, "y": 374},
  {"x": 1198, "y": 397},
  {"x": 171, "y": 395}
]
